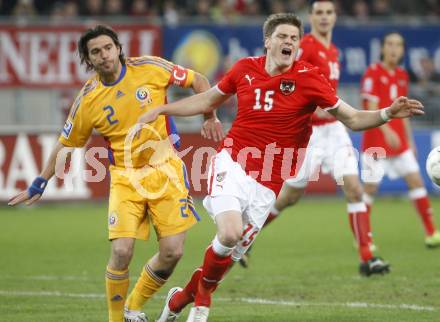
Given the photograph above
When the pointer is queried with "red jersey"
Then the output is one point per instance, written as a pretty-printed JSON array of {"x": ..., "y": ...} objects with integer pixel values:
[
  {"x": 327, "y": 60},
  {"x": 383, "y": 87},
  {"x": 273, "y": 117}
]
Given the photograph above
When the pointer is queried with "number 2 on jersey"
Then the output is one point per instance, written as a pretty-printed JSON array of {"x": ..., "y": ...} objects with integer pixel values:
[
  {"x": 268, "y": 100},
  {"x": 111, "y": 113}
]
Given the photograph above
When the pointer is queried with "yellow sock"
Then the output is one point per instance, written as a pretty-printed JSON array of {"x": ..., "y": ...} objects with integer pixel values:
[
  {"x": 116, "y": 283},
  {"x": 147, "y": 284}
]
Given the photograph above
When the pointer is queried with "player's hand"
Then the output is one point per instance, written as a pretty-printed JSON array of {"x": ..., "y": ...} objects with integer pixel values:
[
  {"x": 393, "y": 140},
  {"x": 32, "y": 194},
  {"x": 403, "y": 107},
  {"x": 149, "y": 116},
  {"x": 145, "y": 118},
  {"x": 212, "y": 129},
  {"x": 24, "y": 197}
]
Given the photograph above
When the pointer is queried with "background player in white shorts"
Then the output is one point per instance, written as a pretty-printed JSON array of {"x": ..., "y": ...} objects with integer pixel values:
[{"x": 390, "y": 149}]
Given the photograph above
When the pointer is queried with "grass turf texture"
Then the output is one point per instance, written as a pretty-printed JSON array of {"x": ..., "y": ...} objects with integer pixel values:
[{"x": 303, "y": 267}]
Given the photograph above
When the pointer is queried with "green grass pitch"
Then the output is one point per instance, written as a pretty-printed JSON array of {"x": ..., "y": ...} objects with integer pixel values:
[{"x": 303, "y": 268}]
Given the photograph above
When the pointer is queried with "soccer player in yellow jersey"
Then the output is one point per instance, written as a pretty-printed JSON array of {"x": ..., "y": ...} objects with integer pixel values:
[{"x": 148, "y": 180}]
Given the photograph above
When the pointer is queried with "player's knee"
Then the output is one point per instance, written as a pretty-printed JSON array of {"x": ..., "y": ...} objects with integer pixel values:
[
  {"x": 353, "y": 190},
  {"x": 122, "y": 254},
  {"x": 370, "y": 189},
  {"x": 230, "y": 238},
  {"x": 355, "y": 193}
]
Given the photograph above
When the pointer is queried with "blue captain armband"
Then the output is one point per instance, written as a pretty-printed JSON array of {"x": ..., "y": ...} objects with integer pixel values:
[{"x": 37, "y": 187}]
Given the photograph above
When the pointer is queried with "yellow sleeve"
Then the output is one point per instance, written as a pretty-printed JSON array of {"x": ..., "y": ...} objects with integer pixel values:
[
  {"x": 170, "y": 73},
  {"x": 78, "y": 126}
]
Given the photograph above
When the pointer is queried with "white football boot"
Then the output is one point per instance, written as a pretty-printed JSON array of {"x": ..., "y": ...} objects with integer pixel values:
[
  {"x": 167, "y": 315},
  {"x": 198, "y": 314},
  {"x": 134, "y": 316}
]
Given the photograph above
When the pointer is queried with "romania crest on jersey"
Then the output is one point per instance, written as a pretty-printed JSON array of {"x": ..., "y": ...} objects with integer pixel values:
[{"x": 143, "y": 95}]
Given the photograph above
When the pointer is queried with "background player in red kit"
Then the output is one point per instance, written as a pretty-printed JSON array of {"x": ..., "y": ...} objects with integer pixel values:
[
  {"x": 381, "y": 84},
  {"x": 330, "y": 146},
  {"x": 276, "y": 99}
]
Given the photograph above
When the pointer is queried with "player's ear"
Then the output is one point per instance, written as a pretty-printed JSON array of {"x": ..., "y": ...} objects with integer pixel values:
[{"x": 266, "y": 43}]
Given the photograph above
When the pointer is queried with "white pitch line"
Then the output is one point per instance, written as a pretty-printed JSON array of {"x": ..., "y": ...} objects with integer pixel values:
[
  {"x": 51, "y": 294},
  {"x": 250, "y": 300},
  {"x": 412, "y": 307}
]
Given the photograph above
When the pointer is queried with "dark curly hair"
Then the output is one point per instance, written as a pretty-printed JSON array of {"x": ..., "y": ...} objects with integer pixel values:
[{"x": 91, "y": 34}]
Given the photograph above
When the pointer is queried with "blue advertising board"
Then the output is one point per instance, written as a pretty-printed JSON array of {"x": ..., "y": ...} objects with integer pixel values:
[{"x": 212, "y": 48}]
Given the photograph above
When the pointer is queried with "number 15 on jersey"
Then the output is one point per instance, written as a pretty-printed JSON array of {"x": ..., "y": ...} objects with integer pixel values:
[{"x": 268, "y": 100}]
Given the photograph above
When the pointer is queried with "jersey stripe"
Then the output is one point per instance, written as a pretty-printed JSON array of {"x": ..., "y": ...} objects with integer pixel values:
[
  {"x": 75, "y": 107},
  {"x": 151, "y": 61},
  {"x": 212, "y": 175},
  {"x": 89, "y": 87},
  {"x": 111, "y": 156}
]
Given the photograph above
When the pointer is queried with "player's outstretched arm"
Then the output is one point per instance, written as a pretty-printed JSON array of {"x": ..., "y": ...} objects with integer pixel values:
[
  {"x": 201, "y": 103},
  {"x": 212, "y": 127},
  {"x": 356, "y": 120},
  {"x": 35, "y": 191}
]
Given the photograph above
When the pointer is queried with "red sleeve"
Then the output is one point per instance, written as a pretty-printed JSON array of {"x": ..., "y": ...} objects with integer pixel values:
[
  {"x": 319, "y": 91},
  {"x": 228, "y": 83},
  {"x": 369, "y": 86}
]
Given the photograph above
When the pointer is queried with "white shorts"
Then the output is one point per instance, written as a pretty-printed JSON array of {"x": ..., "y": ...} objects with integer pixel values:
[
  {"x": 227, "y": 179},
  {"x": 330, "y": 148},
  {"x": 399, "y": 166}
]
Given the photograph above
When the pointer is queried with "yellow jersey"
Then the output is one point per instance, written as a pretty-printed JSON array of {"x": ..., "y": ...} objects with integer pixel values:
[{"x": 113, "y": 109}]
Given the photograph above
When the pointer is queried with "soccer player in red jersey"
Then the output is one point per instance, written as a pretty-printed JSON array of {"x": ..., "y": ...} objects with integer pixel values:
[
  {"x": 330, "y": 146},
  {"x": 389, "y": 149},
  {"x": 276, "y": 99}
]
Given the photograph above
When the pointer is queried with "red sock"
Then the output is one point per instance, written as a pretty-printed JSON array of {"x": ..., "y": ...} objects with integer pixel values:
[
  {"x": 424, "y": 209},
  {"x": 269, "y": 219},
  {"x": 370, "y": 231},
  {"x": 360, "y": 225},
  {"x": 213, "y": 270},
  {"x": 186, "y": 296}
]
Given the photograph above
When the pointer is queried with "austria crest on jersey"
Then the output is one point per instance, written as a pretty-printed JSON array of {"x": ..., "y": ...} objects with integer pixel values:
[{"x": 287, "y": 86}]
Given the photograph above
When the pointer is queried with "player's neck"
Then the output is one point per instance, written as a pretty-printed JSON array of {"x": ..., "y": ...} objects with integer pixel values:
[
  {"x": 273, "y": 69},
  {"x": 325, "y": 39},
  {"x": 389, "y": 66},
  {"x": 112, "y": 77}
]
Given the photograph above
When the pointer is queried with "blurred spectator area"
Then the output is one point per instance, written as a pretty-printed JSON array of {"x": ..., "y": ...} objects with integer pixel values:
[{"x": 218, "y": 10}]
